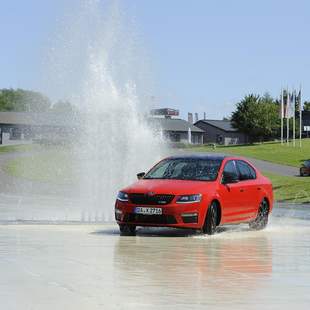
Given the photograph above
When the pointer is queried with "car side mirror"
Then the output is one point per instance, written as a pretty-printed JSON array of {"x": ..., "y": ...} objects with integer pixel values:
[
  {"x": 229, "y": 179},
  {"x": 140, "y": 175}
]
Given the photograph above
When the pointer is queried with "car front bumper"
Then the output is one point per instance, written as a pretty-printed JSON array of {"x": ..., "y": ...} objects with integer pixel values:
[{"x": 189, "y": 215}]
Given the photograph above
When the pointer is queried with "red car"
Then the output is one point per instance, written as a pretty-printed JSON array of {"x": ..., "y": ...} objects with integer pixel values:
[{"x": 198, "y": 192}]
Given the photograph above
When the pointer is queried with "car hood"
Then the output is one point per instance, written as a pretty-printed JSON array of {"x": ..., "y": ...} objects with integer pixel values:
[{"x": 175, "y": 187}]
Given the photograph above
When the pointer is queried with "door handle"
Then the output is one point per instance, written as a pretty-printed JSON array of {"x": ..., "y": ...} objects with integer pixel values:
[
  {"x": 241, "y": 190},
  {"x": 259, "y": 188}
]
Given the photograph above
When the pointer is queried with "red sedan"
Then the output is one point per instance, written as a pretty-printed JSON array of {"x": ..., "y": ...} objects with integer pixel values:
[{"x": 198, "y": 192}]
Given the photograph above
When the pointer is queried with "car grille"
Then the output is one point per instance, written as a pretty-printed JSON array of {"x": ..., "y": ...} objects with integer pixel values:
[
  {"x": 144, "y": 199},
  {"x": 149, "y": 219}
]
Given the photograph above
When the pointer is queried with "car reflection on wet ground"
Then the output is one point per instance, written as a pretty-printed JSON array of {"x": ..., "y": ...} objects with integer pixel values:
[{"x": 89, "y": 266}]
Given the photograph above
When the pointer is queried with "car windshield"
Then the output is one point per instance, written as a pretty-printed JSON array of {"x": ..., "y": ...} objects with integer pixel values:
[
  {"x": 185, "y": 169},
  {"x": 307, "y": 163}
]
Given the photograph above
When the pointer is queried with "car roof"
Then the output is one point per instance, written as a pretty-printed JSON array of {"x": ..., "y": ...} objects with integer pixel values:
[{"x": 199, "y": 156}]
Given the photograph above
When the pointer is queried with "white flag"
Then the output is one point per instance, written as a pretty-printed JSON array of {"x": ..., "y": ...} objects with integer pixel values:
[{"x": 290, "y": 105}]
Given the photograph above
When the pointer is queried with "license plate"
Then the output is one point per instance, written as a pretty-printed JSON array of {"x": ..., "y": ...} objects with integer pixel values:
[{"x": 149, "y": 211}]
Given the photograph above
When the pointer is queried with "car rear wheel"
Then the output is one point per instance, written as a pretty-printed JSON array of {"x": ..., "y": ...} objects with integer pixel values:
[
  {"x": 209, "y": 226},
  {"x": 261, "y": 220},
  {"x": 127, "y": 230}
]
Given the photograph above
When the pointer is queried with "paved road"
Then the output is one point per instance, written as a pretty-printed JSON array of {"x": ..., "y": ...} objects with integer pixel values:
[
  {"x": 274, "y": 168},
  {"x": 91, "y": 267}
]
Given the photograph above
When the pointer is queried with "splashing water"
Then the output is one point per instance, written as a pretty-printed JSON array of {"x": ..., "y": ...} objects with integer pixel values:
[{"x": 98, "y": 65}]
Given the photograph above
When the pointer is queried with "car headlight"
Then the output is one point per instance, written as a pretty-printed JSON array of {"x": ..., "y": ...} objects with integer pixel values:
[
  {"x": 189, "y": 198},
  {"x": 121, "y": 196}
]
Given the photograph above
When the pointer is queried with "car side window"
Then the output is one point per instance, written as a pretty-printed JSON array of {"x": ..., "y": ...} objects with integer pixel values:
[
  {"x": 230, "y": 170},
  {"x": 246, "y": 172},
  {"x": 253, "y": 173}
]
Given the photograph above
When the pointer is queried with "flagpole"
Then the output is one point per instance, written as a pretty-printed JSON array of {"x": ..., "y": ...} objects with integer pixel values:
[
  {"x": 294, "y": 129},
  {"x": 282, "y": 116},
  {"x": 287, "y": 131},
  {"x": 300, "y": 116},
  {"x": 287, "y": 117}
]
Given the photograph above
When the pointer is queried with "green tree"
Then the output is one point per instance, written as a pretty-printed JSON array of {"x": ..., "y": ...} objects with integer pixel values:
[
  {"x": 257, "y": 117},
  {"x": 21, "y": 100},
  {"x": 307, "y": 105}
]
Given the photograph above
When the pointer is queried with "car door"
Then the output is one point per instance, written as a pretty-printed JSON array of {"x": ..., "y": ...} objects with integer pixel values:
[
  {"x": 250, "y": 189},
  {"x": 231, "y": 195}
]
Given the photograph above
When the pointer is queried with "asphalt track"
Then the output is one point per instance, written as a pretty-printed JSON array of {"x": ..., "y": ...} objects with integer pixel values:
[{"x": 89, "y": 266}]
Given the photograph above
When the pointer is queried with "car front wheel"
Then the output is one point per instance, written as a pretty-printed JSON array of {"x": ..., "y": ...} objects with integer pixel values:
[
  {"x": 209, "y": 226},
  {"x": 127, "y": 230},
  {"x": 261, "y": 220}
]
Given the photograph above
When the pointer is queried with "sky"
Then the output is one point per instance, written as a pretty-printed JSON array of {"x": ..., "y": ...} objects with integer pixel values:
[{"x": 205, "y": 55}]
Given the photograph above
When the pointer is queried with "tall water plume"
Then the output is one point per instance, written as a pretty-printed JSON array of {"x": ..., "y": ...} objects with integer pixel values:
[{"x": 97, "y": 64}]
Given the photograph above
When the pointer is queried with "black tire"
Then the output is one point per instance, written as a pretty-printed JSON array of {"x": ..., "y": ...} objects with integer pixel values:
[
  {"x": 209, "y": 226},
  {"x": 261, "y": 220},
  {"x": 127, "y": 230}
]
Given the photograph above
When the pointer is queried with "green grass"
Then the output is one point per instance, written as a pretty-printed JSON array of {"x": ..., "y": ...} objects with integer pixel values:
[
  {"x": 272, "y": 152},
  {"x": 290, "y": 189},
  {"x": 18, "y": 148},
  {"x": 54, "y": 166}
]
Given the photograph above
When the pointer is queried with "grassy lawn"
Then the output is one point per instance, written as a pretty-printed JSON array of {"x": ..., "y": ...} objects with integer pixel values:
[
  {"x": 54, "y": 165},
  {"x": 18, "y": 148},
  {"x": 273, "y": 152},
  {"x": 290, "y": 189}
]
